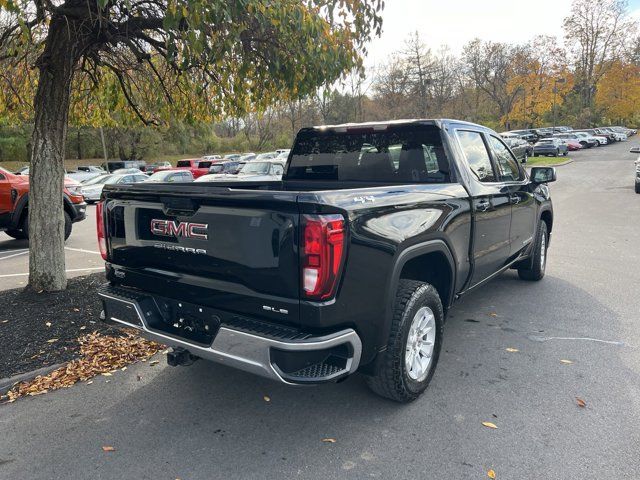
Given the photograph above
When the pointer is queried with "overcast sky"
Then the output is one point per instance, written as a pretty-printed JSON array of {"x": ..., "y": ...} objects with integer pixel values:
[{"x": 455, "y": 22}]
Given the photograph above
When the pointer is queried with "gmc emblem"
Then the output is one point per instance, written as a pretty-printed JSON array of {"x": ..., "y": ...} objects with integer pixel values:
[{"x": 171, "y": 228}]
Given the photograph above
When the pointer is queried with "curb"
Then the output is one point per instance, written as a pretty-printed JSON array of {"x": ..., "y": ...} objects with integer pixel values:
[
  {"x": 7, "y": 383},
  {"x": 567, "y": 162}
]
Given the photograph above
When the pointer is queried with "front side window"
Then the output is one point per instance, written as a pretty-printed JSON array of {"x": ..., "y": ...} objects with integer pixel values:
[
  {"x": 508, "y": 168},
  {"x": 477, "y": 155}
]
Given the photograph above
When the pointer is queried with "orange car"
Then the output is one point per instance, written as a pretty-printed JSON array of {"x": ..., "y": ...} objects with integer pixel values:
[{"x": 14, "y": 205}]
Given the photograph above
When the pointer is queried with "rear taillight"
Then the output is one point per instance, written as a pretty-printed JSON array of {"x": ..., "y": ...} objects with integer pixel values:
[
  {"x": 322, "y": 252},
  {"x": 102, "y": 240}
]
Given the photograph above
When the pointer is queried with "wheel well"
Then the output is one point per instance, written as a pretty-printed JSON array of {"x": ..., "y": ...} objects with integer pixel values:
[
  {"x": 548, "y": 219},
  {"x": 25, "y": 211},
  {"x": 432, "y": 268},
  {"x": 68, "y": 209}
]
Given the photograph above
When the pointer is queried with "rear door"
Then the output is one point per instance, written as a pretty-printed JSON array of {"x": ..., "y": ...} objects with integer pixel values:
[{"x": 491, "y": 204}]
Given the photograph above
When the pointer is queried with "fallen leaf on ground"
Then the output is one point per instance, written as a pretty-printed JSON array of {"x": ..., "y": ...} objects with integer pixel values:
[
  {"x": 123, "y": 369},
  {"x": 154, "y": 362},
  {"x": 566, "y": 362},
  {"x": 52, "y": 340},
  {"x": 100, "y": 354},
  {"x": 108, "y": 448},
  {"x": 5, "y": 321},
  {"x": 82, "y": 327},
  {"x": 511, "y": 349},
  {"x": 581, "y": 403},
  {"x": 493, "y": 314},
  {"x": 491, "y": 474},
  {"x": 138, "y": 377},
  {"x": 89, "y": 382},
  {"x": 489, "y": 425},
  {"x": 329, "y": 440},
  {"x": 266, "y": 398},
  {"x": 48, "y": 324},
  {"x": 76, "y": 309}
]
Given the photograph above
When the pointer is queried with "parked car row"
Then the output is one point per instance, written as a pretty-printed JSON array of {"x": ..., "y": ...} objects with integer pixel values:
[{"x": 560, "y": 140}]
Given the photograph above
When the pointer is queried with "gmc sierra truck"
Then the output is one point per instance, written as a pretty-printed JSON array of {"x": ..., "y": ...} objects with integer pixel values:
[{"x": 349, "y": 263}]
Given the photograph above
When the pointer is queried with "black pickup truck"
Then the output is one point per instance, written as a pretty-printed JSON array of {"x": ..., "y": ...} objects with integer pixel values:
[{"x": 349, "y": 263}]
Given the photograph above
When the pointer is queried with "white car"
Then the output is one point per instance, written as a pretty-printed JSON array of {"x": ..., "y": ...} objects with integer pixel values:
[
  {"x": 92, "y": 191},
  {"x": 260, "y": 172},
  {"x": 170, "y": 176},
  {"x": 591, "y": 139}
]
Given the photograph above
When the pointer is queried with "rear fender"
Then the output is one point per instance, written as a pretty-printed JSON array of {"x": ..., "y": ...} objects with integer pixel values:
[{"x": 413, "y": 252}]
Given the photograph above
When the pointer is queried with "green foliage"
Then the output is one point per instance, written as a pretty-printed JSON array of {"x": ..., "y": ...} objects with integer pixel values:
[{"x": 196, "y": 60}]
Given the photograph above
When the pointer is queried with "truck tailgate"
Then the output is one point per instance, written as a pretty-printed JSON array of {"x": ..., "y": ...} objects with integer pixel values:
[{"x": 238, "y": 252}]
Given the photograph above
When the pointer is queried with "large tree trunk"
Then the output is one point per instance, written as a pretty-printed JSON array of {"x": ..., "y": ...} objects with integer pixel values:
[{"x": 46, "y": 176}]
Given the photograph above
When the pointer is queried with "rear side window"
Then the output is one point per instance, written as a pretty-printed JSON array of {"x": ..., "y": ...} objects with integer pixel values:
[
  {"x": 477, "y": 155},
  {"x": 206, "y": 164},
  {"x": 403, "y": 154},
  {"x": 183, "y": 163}
]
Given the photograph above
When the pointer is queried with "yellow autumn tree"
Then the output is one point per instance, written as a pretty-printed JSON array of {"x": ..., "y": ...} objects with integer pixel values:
[
  {"x": 618, "y": 93},
  {"x": 534, "y": 95}
]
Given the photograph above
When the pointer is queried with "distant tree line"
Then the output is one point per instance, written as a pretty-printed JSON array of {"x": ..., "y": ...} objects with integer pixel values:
[{"x": 594, "y": 78}]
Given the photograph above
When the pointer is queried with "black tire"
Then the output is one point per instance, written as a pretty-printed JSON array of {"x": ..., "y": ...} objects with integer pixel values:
[
  {"x": 565, "y": 153},
  {"x": 637, "y": 187},
  {"x": 557, "y": 152},
  {"x": 67, "y": 226},
  {"x": 534, "y": 269},
  {"x": 392, "y": 379},
  {"x": 526, "y": 157},
  {"x": 585, "y": 145},
  {"x": 17, "y": 234}
]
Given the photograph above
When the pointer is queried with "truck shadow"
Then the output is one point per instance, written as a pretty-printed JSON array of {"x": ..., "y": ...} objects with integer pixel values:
[{"x": 215, "y": 415}]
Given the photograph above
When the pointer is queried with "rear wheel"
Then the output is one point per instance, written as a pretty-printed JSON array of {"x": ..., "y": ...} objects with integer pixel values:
[
  {"x": 535, "y": 268},
  {"x": 557, "y": 152},
  {"x": 637, "y": 188},
  {"x": 414, "y": 343}
]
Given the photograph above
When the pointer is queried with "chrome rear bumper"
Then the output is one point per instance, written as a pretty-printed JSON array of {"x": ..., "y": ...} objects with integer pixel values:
[{"x": 337, "y": 354}]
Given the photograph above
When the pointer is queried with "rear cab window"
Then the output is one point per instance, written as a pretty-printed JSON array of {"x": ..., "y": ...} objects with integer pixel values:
[{"x": 391, "y": 154}]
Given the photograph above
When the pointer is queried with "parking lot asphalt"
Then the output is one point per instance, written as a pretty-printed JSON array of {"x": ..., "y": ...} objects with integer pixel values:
[
  {"x": 211, "y": 422},
  {"x": 81, "y": 254}
]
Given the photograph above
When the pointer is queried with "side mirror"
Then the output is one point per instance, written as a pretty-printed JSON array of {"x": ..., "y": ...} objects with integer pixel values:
[
  {"x": 635, "y": 150},
  {"x": 543, "y": 174}
]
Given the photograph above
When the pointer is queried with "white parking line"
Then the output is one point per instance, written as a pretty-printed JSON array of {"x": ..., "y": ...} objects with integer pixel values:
[
  {"x": 81, "y": 250},
  {"x": 70, "y": 270},
  {"x": 14, "y": 255}
]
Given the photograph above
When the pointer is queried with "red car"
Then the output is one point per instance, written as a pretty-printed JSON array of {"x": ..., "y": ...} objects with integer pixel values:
[
  {"x": 196, "y": 166},
  {"x": 573, "y": 145},
  {"x": 14, "y": 197}
]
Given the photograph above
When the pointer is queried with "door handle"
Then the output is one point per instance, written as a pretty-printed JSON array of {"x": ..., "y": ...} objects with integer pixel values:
[
  {"x": 514, "y": 199},
  {"x": 483, "y": 205}
]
